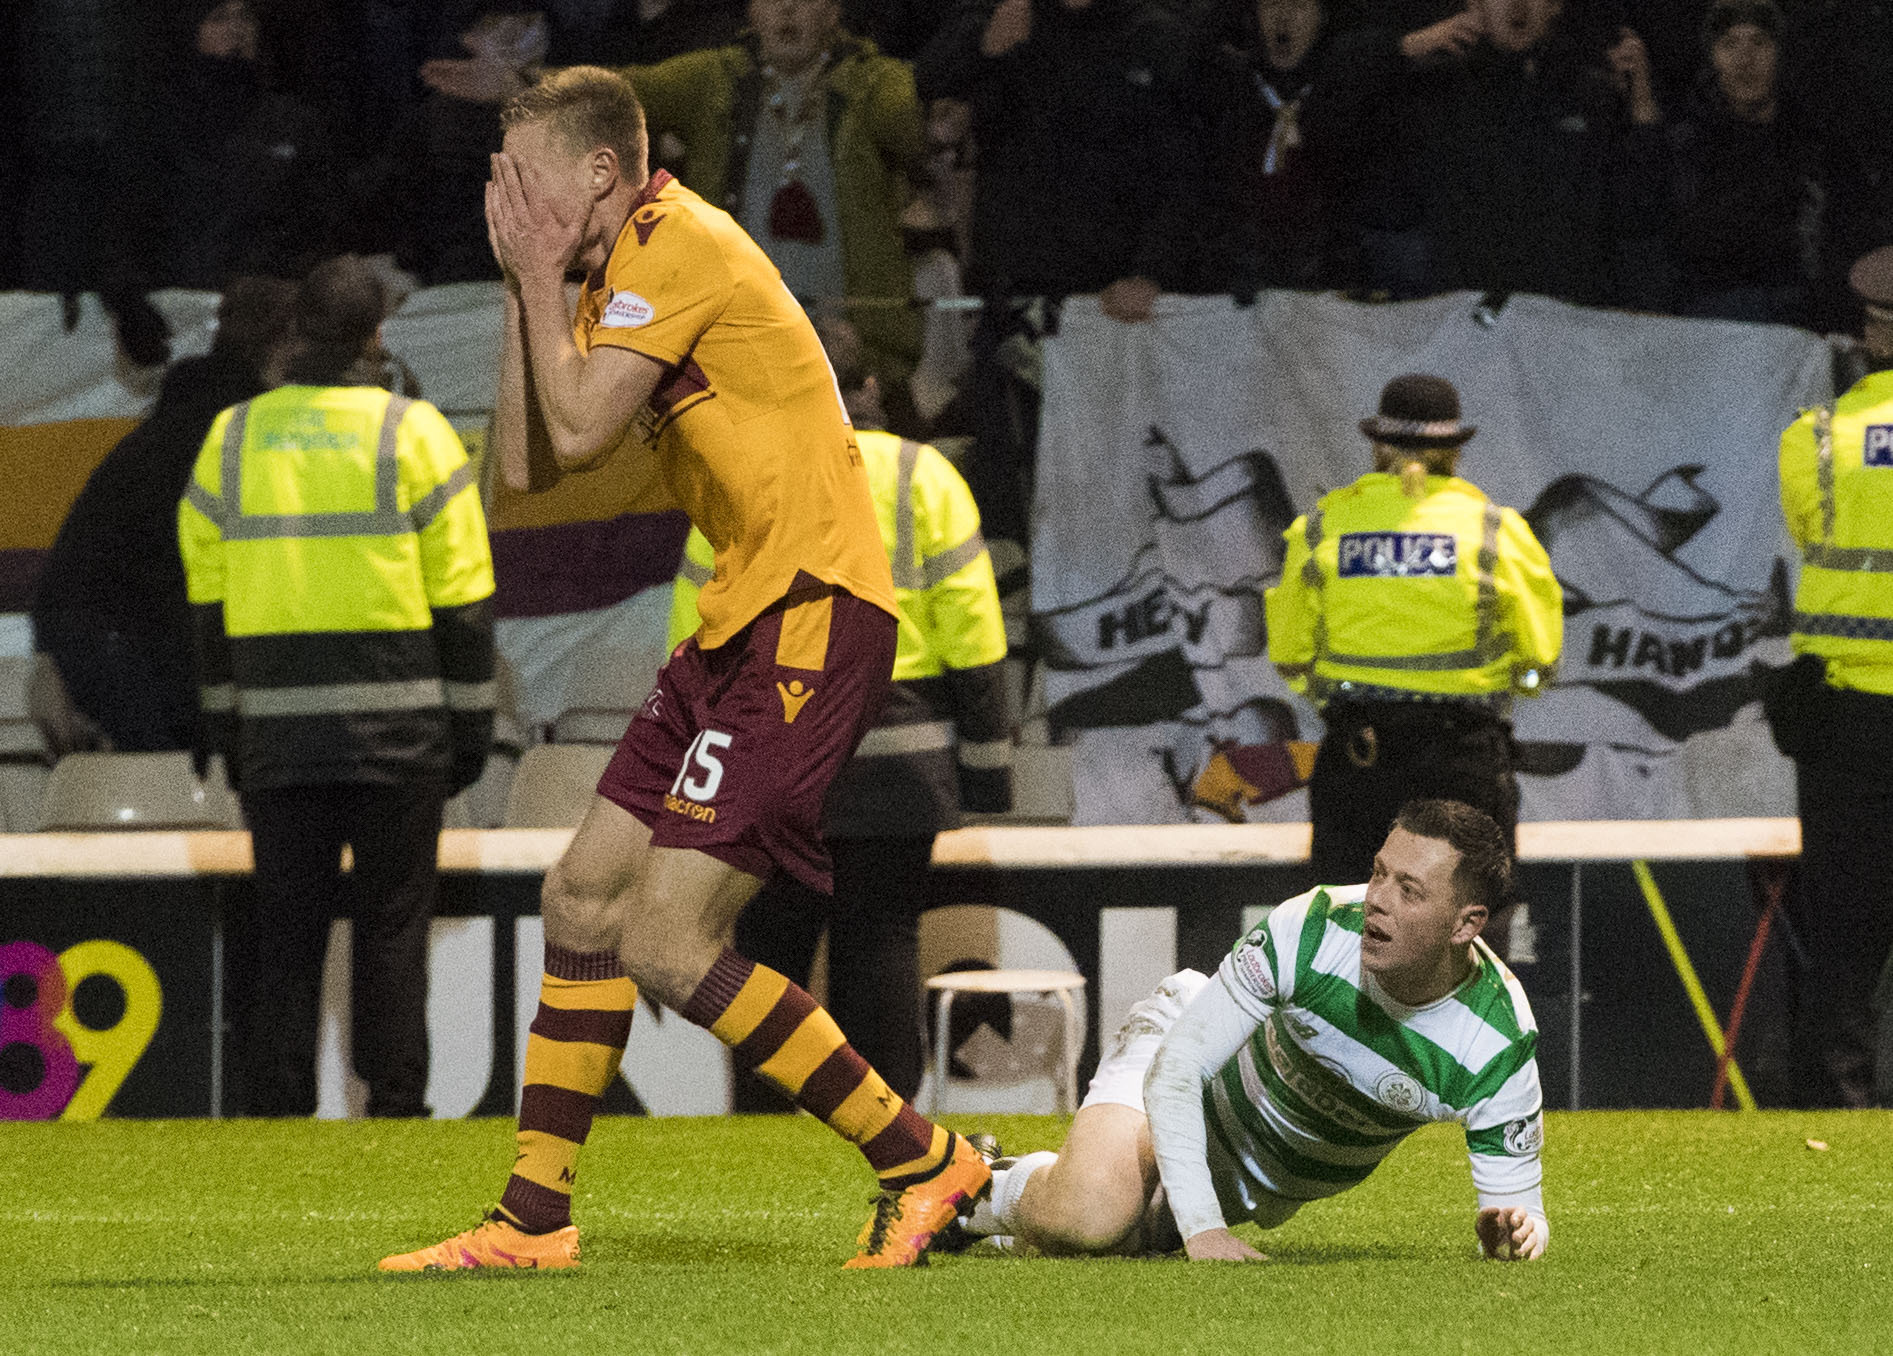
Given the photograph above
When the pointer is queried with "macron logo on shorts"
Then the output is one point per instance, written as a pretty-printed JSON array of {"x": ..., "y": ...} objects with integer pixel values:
[{"x": 626, "y": 311}]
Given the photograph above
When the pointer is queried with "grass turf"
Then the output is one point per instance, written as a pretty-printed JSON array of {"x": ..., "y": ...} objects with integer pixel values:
[{"x": 1684, "y": 1231}]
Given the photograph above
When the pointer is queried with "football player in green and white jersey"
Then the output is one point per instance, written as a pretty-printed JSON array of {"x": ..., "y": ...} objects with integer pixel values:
[{"x": 1348, "y": 1019}]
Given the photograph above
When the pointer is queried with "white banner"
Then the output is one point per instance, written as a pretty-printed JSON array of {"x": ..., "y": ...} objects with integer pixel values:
[{"x": 1642, "y": 449}]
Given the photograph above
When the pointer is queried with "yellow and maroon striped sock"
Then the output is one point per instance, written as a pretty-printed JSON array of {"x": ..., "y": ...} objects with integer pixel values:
[
  {"x": 773, "y": 1027},
  {"x": 572, "y": 1052}
]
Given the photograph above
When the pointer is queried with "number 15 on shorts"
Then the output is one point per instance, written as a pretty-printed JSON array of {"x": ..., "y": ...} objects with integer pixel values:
[{"x": 702, "y": 771}]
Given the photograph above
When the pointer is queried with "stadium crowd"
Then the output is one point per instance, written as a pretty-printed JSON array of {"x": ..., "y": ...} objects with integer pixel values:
[{"x": 1721, "y": 159}]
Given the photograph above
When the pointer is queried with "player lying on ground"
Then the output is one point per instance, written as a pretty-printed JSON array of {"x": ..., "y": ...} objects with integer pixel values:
[{"x": 1351, "y": 1017}]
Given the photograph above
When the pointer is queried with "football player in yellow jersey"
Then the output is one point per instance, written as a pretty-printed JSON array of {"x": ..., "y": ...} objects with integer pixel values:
[{"x": 689, "y": 355}]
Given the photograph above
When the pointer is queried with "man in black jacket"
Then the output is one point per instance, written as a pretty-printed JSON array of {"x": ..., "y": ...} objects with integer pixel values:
[
  {"x": 1089, "y": 180},
  {"x": 1526, "y": 154},
  {"x": 110, "y": 610},
  {"x": 1087, "y": 146}
]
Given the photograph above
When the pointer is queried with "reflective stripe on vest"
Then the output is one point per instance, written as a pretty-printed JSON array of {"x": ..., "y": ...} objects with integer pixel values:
[
  {"x": 217, "y": 698},
  {"x": 1487, "y": 645},
  {"x": 343, "y": 699},
  {"x": 434, "y": 503},
  {"x": 938, "y": 569},
  {"x": 347, "y": 699},
  {"x": 384, "y": 520},
  {"x": 1843, "y": 627},
  {"x": 931, "y": 570},
  {"x": 906, "y": 573},
  {"x": 692, "y": 572},
  {"x": 1311, "y": 576},
  {"x": 1824, "y": 467}
]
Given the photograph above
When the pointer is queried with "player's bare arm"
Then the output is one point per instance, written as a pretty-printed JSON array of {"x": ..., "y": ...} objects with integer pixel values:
[{"x": 568, "y": 409}]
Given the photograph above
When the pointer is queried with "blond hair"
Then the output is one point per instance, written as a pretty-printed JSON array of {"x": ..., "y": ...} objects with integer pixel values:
[
  {"x": 587, "y": 107},
  {"x": 1413, "y": 464}
]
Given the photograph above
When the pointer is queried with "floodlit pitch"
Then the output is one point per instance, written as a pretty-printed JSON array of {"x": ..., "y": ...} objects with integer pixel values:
[{"x": 1677, "y": 1231}]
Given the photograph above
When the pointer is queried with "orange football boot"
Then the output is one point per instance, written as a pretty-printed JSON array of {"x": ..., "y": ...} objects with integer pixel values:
[
  {"x": 493, "y": 1242},
  {"x": 907, "y": 1222}
]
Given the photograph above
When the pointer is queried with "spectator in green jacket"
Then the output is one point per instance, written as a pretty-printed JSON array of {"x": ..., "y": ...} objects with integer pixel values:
[{"x": 807, "y": 136}]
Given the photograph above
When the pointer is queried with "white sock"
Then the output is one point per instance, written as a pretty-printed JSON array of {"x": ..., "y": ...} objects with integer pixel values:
[{"x": 994, "y": 1215}]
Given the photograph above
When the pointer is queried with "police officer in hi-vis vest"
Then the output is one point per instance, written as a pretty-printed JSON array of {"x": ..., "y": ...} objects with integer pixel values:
[
  {"x": 1411, "y": 610},
  {"x": 340, "y": 580},
  {"x": 1832, "y": 710},
  {"x": 942, "y": 744}
]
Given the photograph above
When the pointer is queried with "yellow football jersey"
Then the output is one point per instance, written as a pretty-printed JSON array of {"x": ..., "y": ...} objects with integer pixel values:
[{"x": 747, "y": 421}]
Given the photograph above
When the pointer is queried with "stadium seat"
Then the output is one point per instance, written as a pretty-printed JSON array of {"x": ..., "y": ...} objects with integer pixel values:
[
  {"x": 24, "y": 759},
  {"x": 1059, "y": 984},
  {"x": 607, "y": 686},
  {"x": 590, "y": 725},
  {"x": 22, "y": 793},
  {"x": 554, "y": 785},
  {"x": 483, "y": 805},
  {"x": 1041, "y": 787},
  {"x": 88, "y": 791},
  {"x": 16, "y": 671}
]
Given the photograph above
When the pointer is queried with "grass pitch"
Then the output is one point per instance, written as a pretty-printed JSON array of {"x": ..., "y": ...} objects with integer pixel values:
[{"x": 1696, "y": 1232}]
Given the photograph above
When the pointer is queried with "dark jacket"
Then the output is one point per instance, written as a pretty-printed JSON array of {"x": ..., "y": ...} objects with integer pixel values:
[
  {"x": 1838, "y": 67},
  {"x": 1090, "y": 148},
  {"x": 1742, "y": 198},
  {"x": 110, "y": 605},
  {"x": 1529, "y": 177},
  {"x": 116, "y": 555},
  {"x": 252, "y": 181},
  {"x": 1284, "y": 201}
]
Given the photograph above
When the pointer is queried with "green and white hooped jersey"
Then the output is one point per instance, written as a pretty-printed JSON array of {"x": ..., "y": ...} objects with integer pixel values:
[{"x": 1338, "y": 1072}]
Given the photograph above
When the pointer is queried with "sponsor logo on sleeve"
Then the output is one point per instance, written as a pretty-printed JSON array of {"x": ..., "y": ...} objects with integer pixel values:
[
  {"x": 1879, "y": 445},
  {"x": 1253, "y": 968},
  {"x": 1524, "y": 1138},
  {"x": 626, "y": 311},
  {"x": 1398, "y": 555}
]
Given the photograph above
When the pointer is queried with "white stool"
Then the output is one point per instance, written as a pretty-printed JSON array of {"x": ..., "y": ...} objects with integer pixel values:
[{"x": 1059, "y": 984}]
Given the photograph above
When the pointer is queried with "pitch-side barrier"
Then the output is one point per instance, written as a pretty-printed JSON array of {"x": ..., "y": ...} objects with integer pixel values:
[{"x": 1128, "y": 902}]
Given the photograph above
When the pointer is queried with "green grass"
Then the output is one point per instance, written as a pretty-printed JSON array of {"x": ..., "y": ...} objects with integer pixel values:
[{"x": 1694, "y": 1232}]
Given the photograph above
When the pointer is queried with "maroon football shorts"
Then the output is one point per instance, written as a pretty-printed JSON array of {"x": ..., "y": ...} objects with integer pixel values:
[{"x": 733, "y": 751}]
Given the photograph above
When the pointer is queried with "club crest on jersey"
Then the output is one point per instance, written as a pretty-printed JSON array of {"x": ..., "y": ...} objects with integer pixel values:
[
  {"x": 626, "y": 311},
  {"x": 1879, "y": 445},
  {"x": 1398, "y": 555},
  {"x": 1254, "y": 968},
  {"x": 1524, "y": 1138},
  {"x": 1400, "y": 1091}
]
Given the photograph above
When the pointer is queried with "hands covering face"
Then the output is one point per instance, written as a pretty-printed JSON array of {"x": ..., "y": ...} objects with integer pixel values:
[{"x": 533, "y": 235}]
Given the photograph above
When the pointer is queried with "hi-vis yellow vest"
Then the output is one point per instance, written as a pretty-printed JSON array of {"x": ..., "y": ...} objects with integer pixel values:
[
  {"x": 1837, "y": 497},
  {"x": 337, "y": 563},
  {"x": 943, "y": 575},
  {"x": 1384, "y": 596}
]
